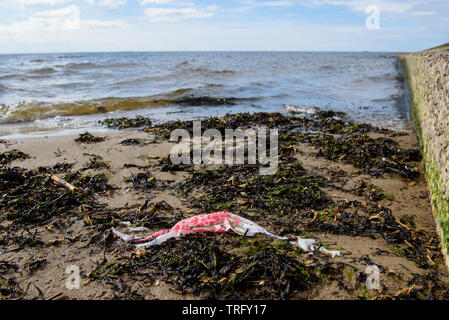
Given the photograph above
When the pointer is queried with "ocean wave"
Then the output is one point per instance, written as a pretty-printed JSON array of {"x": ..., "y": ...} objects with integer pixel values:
[
  {"x": 94, "y": 66},
  {"x": 383, "y": 77},
  {"x": 43, "y": 71},
  {"x": 71, "y": 85},
  {"x": 208, "y": 72},
  {"x": 9, "y": 76},
  {"x": 123, "y": 65},
  {"x": 184, "y": 63},
  {"x": 136, "y": 81},
  {"x": 327, "y": 68},
  {"x": 82, "y": 66},
  {"x": 3, "y": 88}
]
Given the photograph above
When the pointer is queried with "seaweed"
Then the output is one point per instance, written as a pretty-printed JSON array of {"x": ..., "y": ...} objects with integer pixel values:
[
  {"x": 205, "y": 101},
  {"x": 124, "y": 123},
  {"x": 144, "y": 181},
  {"x": 95, "y": 162},
  {"x": 31, "y": 197},
  {"x": 87, "y": 137},
  {"x": 293, "y": 201},
  {"x": 8, "y": 156},
  {"x": 370, "y": 191},
  {"x": 167, "y": 165},
  {"x": 9, "y": 287},
  {"x": 200, "y": 265},
  {"x": 91, "y": 185},
  {"x": 240, "y": 188},
  {"x": 374, "y": 155},
  {"x": 132, "y": 142},
  {"x": 418, "y": 245}
]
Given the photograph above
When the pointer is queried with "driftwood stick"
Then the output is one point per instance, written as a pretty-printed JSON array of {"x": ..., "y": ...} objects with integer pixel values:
[
  {"x": 63, "y": 182},
  {"x": 56, "y": 296}
]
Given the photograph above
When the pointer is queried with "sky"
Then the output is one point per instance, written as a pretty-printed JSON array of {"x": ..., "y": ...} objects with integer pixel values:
[{"x": 34, "y": 26}]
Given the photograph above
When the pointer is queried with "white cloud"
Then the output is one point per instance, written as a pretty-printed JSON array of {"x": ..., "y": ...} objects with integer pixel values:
[
  {"x": 252, "y": 4},
  {"x": 35, "y": 2},
  {"x": 173, "y": 15},
  {"x": 112, "y": 3},
  {"x": 71, "y": 11},
  {"x": 255, "y": 4},
  {"x": 95, "y": 24},
  {"x": 45, "y": 24},
  {"x": 393, "y": 6},
  {"x": 144, "y": 2},
  {"x": 423, "y": 13}
]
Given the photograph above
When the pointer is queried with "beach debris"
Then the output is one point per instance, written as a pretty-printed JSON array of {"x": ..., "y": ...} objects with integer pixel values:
[
  {"x": 218, "y": 222},
  {"x": 142, "y": 181},
  {"x": 167, "y": 165},
  {"x": 299, "y": 200},
  {"x": 136, "y": 229},
  {"x": 87, "y": 137},
  {"x": 95, "y": 162},
  {"x": 123, "y": 123},
  {"x": 9, "y": 286},
  {"x": 11, "y": 155},
  {"x": 374, "y": 155},
  {"x": 308, "y": 245},
  {"x": 62, "y": 182},
  {"x": 133, "y": 142},
  {"x": 38, "y": 195},
  {"x": 291, "y": 188},
  {"x": 205, "y": 101}
]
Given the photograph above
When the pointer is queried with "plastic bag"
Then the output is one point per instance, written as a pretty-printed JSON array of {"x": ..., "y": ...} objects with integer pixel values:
[{"x": 219, "y": 222}]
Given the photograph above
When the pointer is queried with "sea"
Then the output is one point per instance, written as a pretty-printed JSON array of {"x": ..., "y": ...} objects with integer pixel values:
[{"x": 67, "y": 93}]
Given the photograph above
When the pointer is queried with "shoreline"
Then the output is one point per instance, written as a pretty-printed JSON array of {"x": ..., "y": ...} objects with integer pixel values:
[
  {"x": 30, "y": 130},
  {"x": 356, "y": 210}
]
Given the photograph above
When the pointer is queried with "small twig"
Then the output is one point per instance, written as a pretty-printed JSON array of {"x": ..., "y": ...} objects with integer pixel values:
[
  {"x": 58, "y": 295},
  {"x": 63, "y": 183}
]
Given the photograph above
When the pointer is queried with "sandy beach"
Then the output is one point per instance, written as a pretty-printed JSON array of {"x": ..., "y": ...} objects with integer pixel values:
[{"x": 372, "y": 218}]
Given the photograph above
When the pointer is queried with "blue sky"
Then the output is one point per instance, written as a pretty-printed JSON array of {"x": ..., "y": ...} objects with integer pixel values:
[{"x": 237, "y": 25}]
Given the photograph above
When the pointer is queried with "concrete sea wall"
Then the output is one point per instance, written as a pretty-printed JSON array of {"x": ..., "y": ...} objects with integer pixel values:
[{"x": 427, "y": 74}]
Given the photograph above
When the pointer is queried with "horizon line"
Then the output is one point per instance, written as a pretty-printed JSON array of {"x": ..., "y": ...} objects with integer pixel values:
[{"x": 203, "y": 51}]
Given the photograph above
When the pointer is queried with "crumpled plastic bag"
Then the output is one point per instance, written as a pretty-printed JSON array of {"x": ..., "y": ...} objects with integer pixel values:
[{"x": 219, "y": 222}]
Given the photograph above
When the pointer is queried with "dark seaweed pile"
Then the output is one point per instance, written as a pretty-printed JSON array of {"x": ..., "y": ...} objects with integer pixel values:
[
  {"x": 142, "y": 181},
  {"x": 293, "y": 201},
  {"x": 241, "y": 188},
  {"x": 201, "y": 265},
  {"x": 31, "y": 197},
  {"x": 123, "y": 123},
  {"x": 89, "y": 138},
  {"x": 9, "y": 287},
  {"x": 9, "y": 156},
  {"x": 132, "y": 142},
  {"x": 374, "y": 156},
  {"x": 96, "y": 162}
]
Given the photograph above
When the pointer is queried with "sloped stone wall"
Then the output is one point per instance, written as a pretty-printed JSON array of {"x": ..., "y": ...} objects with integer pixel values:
[{"x": 427, "y": 74}]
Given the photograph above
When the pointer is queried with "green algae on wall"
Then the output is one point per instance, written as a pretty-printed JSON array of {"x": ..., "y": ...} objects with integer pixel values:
[{"x": 427, "y": 74}]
